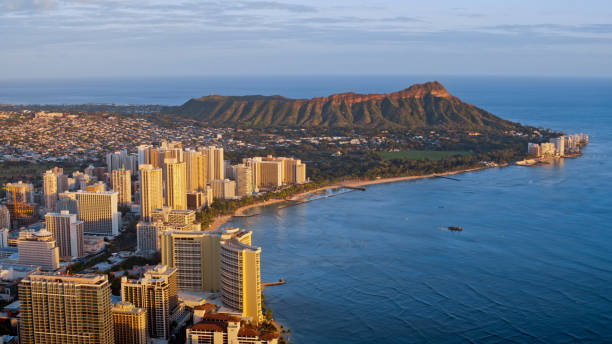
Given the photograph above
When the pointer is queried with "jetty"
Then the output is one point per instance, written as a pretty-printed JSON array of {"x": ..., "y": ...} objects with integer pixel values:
[
  {"x": 451, "y": 178},
  {"x": 271, "y": 284},
  {"x": 360, "y": 188}
]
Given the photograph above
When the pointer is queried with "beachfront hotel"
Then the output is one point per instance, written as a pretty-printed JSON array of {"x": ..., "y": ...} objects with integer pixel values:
[
  {"x": 151, "y": 190},
  {"x": 98, "y": 210},
  {"x": 225, "y": 328},
  {"x": 65, "y": 309},
  {"x": 216, "y": 166},
  {"x": 197, "y": 169},
  {"x": 130, "y": 324},
  {"x": 241, "y": 278}
]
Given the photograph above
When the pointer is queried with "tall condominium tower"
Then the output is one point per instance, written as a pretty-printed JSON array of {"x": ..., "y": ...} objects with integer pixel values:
[
  {"x": 122, "y": 184},
  {"x": 99, "y": 212},
  {"x": 241, "y": 278},
  {"x": 38, "y": 248},
  {"x": 122, "y": 160},
  {"x": 130, "y": 324},
  {"x": 65, "y": 309},
  {"x": 157, "y": 292},
  {"x": 216, "y": 167},
  {"x": 244, "y": 180},
  {"x": 176, "y": 184},
  {"x": 197, "y": 169},
  {"x": 151, "y": 190},
  {"x": 50, "y": 189},
  {"x": 67, "y": 232}
]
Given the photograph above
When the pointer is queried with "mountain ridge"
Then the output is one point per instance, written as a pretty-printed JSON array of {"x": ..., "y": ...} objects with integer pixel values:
[{"x": 418, "y": 106}]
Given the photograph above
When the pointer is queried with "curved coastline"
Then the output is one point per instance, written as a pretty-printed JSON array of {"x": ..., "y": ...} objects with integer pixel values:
[{"x": 240, "y": 212}]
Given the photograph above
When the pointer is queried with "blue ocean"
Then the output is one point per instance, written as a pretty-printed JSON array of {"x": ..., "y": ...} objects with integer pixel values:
[{"x": 532, "y": 264}]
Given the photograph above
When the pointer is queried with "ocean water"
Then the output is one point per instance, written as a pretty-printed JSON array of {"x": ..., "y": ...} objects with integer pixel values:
[{"x": 533, "y": 263}]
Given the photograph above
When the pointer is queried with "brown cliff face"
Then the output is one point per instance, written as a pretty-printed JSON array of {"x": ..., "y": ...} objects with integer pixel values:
[{"x": 421, "y": 105}]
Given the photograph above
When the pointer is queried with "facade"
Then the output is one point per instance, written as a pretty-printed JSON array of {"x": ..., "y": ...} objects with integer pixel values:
[
  {"x": 19, "y": 193},
  {"x": 147, "y": 234},
  {"x": 197, "y": 169},
  {"x": 122, "y": 160},
  {"x": 559, "y": 143},
  {"x": 65, "y": 309},
  {"x": 50, "y": 189},
  {"x": 176, "y": 184},
  {"x": 244, "y": 180},
  {"x": 226, "y": 329},
  {"x": 151, "y": 190},
  {"x": 99, "y": 212},
  {"x": 122, "y": 184},
  {"x": 223, "y": 189},
  {"x": 130, "y": 324},
  {"x": 5, "y": 217},
  {"x": 38, "y": 248},
  {"x": 533, "y": 149},
  {"x": 216, "y": 166},
  {"x": 157, "y": 292},
  {"x": 67, "y": 232},
  {"x": 196, "y": 256},
  {"x": 197, "y": 200},
  {"x": 241, "y": 278},
  {"x": 547, "y": 149},
  {"x": 176, "y": 217}
]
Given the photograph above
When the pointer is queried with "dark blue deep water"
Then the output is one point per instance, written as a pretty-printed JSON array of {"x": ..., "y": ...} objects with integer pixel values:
[{"x": 533, "y": 263}]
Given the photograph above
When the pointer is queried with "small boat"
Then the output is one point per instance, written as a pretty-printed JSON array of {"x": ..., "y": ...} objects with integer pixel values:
[{"x": 453, "y": 228}]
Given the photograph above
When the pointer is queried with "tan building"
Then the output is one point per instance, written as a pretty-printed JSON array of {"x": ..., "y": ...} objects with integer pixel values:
[
  {"x": 216, "y": 166},
  {"x": 97, "y": 187},
  {"x": 151, "y": 190},
  {"x": 197, "y": 169},
  {"x": 196, "y": 256},
  {"x": 38, "y": 248},
  {"x": 157, "y": 292},
  {"x": 244, "y": 180},
  {"x": 197, "y": 200},
  {"x": 50, "y": 189},
  {"x": 223, "y": 189},
  {"x": 65, "y": 309},
  {"x": 241, "y": 278},
  {"x": 99, "y": 212},
  {"x": 176, "y": 184},
  {"x": 122, "y": 184},
  {"x": 173, "y": 217},
  {"x": 147, "y": 236},
  {"x": 130, "y": 324},
  {"x": 67, "y": 232}
]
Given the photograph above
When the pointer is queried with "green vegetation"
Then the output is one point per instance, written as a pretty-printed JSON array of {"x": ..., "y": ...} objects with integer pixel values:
[
  {"x": 27, "y": 171},
  {"x": 420, "y": 154},
  {"x": 421, "y": 106}
]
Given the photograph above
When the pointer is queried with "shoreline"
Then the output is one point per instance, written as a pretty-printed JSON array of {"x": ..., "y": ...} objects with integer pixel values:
[{"x": 221, "y": 220}]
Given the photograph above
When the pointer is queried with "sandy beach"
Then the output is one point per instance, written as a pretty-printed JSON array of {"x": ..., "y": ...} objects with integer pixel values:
[{"x": 220, "y": 220}]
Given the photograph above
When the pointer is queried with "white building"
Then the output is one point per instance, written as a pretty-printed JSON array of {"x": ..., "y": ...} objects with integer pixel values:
[
  {"x": 67, "y": 232},
  {"x": 39, "y": 249},
  {"x": 99, "y": 212}
]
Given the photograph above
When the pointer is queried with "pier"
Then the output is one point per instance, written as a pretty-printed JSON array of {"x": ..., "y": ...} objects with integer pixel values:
[
  {"x": 360, "y": 188},
  {"x": 271, "y": 284},
  {"x": 455, "y": 179}
]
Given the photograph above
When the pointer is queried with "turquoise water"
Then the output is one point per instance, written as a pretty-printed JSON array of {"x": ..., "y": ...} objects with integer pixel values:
[{"x": 533, "y": 263}]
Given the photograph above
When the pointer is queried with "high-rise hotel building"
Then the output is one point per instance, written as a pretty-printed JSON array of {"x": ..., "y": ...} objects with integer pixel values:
[
  {"x": 157, "y": 292},
  {"x": 38, "y": 248},
  {"x": 221, "y": 260},
  {"x": 241, "y": 278},
  {"x": 196, "y": 169},
  {"x": 176, "y": 184},
  {"x": 65, "y": 309},
  {"x": 151, "y": 190},
  {"x": 67, "y": 232},
  {"x": 122, "y": 184},
  {"x": 130, "y": 324},
  {"x": 98, "y": 210}
]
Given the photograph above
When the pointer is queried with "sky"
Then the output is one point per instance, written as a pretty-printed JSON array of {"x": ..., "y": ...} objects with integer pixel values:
[{"x": 134, "y": 38}]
